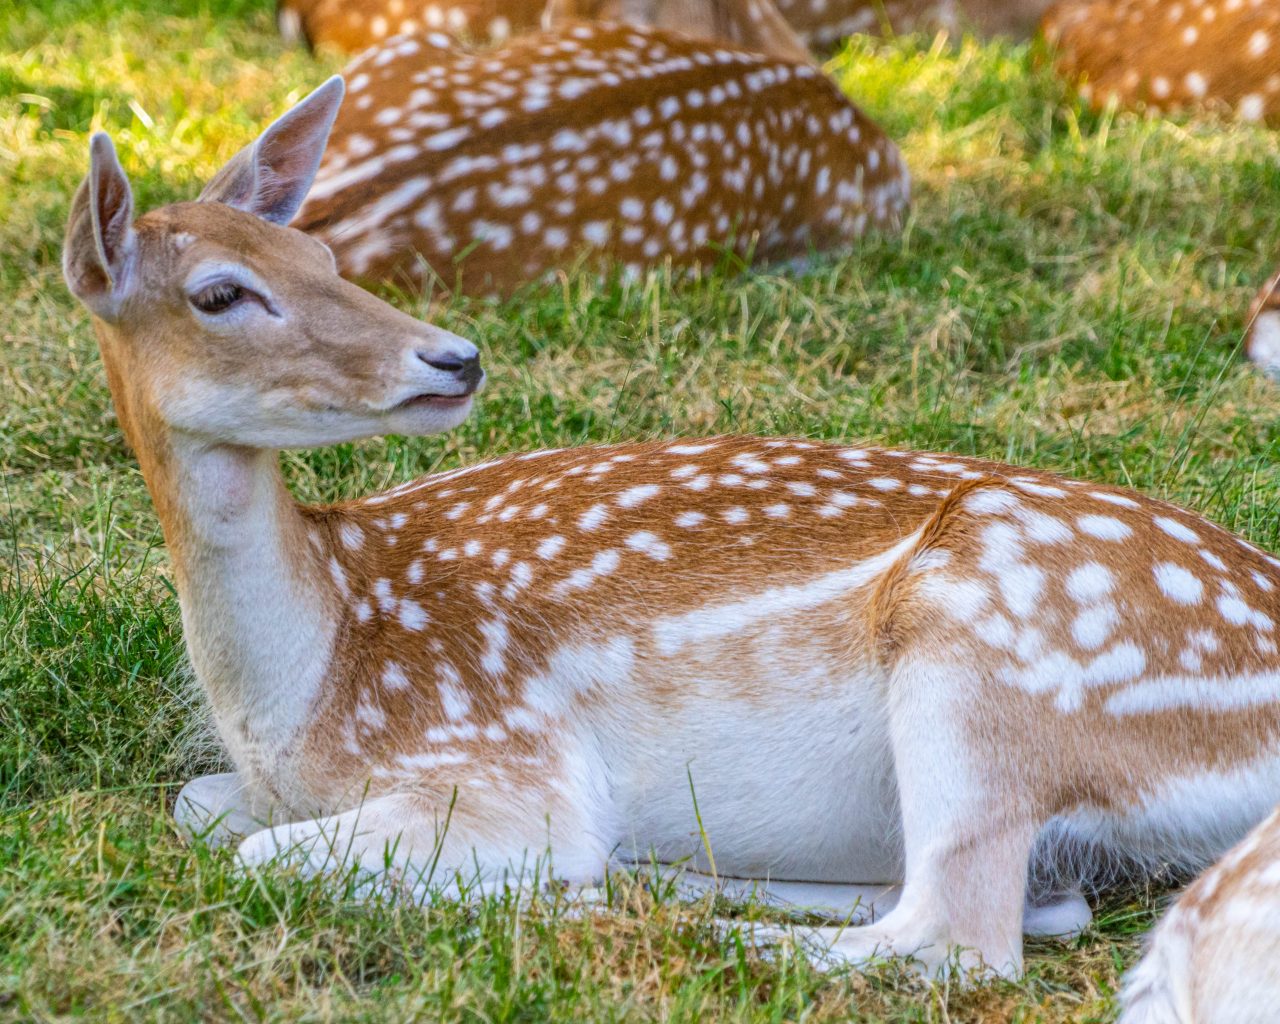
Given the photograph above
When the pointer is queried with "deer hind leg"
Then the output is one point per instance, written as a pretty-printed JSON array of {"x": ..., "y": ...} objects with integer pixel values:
[
  {"x": 219, "y": 809},
  {"x": 405, "y": 841},
  {"x": 967, "y": 839}
]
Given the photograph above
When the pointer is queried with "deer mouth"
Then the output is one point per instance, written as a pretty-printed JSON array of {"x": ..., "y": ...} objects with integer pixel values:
[{"x": 427, "y": 400}]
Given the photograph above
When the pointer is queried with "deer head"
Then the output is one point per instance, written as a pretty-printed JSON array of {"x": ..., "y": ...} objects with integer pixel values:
[{"x": 217, "y": 320}]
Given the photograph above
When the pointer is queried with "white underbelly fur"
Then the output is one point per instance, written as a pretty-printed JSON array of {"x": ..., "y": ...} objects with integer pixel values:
[{"x": 799, "y": 788}]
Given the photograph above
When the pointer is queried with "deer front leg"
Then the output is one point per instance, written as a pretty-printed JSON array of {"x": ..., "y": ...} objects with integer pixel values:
[
  {"x": 409, "y": 842},
  {"x": 219, "y": 809}
]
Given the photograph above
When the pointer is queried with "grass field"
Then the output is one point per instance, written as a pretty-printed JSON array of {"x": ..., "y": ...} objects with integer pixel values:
[{"x": 1069, "y": 293}]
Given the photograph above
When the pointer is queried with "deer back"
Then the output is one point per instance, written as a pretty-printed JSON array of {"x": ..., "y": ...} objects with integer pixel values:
[{"x": 491, "y": 170}]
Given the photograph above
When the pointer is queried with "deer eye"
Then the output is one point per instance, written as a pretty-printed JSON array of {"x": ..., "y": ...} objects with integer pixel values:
[{"x": 217, "y": 298}]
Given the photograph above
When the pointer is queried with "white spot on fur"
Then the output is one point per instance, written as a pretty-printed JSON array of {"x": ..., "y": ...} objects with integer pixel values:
[
  {"x": 989, "y": 501},
  {"x": 593, "y": 517},
  {"x": 1090, "y": 581},
  {"x": 649, "y": 544},
  {"x": 393, "y": 677},
  {"x": 1178, "y": 584},
  {"x": 1114, "y": 499},
  {"x": 551, "y": 547},
  {"x": 1104, "y": 527},
  {"x": 603, "y": 564},
  {"x": 1092, "y": 627},
  {"x": 1176, "y": 530},
  {"x": 636, "y": 495},
  {"x": 412, "y": 616}
]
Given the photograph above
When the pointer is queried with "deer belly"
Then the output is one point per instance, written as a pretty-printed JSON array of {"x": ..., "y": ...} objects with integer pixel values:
[{"x": 791, "y": 786}]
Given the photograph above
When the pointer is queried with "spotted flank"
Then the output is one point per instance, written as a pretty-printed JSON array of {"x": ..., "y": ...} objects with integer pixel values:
[
  {"x": 495, "y": 170},
  {"x": 1074, "y": 598},
  {"x": 1162, "y": 55}
]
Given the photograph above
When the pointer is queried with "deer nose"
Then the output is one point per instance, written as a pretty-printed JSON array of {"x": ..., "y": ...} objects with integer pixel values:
[{"x": 465, "y": 367}]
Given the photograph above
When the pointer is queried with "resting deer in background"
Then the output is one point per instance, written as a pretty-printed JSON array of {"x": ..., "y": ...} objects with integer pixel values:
[
  {"x": 352, "y": 25},
  {"x": 1212, "y": 54},
  {"x": 1262, "y": 342},
  {"x": 627, "y": 144},
  {"x": 980, "y": 682},
  {"x": 1215, "y": 957}
]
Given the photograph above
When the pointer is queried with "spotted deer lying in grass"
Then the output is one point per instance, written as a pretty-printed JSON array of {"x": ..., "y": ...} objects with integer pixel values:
[
  {"x": 1215, "y": 957},
  {"x": 349, "y": 26},
  {"x": 980, "y": 682},
  {"x": 631, "y": 144},
  {"x": 354, "y": 25},
  {"x": 787, "y": 30},
  {"x": 1162, "y": 56},
  {"x": 1262, "y": 343}
]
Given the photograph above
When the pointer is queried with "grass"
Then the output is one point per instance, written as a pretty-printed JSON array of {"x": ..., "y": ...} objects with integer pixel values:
[{"x": 1069, "y": 293}]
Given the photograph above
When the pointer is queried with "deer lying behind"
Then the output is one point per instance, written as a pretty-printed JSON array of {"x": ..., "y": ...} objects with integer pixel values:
[
  {"x": 1215, "y": 957},
  {"x": 1162, "y": 56},
  {"x": 353, "y": 25},
  {"x": 1262, "y": 343},
  {"x": 979, "y": 682},
  {"x": 490, "y": 171}
]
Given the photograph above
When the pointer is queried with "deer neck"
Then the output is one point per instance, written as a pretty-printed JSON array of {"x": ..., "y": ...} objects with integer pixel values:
[{"x": 258, "y": 609}]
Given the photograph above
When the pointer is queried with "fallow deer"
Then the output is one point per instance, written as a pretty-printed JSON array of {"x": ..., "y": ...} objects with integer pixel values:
[
  {"x": 352, "y": 25},
  {"x": 1262, "y": 343},
  {"x": 349, "y": 26},
  {"x": 1160, "y": 56},
  {"x": 1215, "y": 956},
  {"x": 981, "y": 682},
  {"x": 488, "y": 171}
]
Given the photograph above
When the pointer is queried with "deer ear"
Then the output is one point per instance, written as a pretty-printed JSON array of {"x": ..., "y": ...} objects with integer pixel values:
[
  {"x": 271, "y": 177},
  {"x": 98, "y": 251}
]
